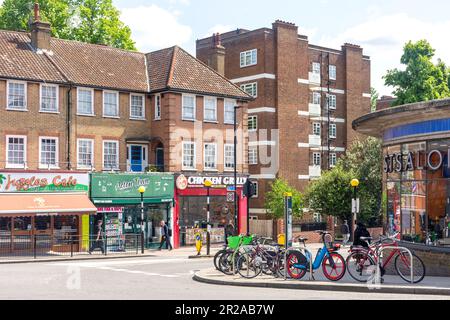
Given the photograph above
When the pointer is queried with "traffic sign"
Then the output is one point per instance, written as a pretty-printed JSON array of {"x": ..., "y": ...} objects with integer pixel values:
[{"x": 230, "y": 196}]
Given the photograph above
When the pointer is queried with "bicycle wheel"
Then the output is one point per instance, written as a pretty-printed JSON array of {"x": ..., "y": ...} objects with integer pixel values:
[
  {"x": 336, "y": 272},
  {"x": 217, "y": 258},
  {"x": 226, "y": 262},
  {"x": 295, "y": 273},
  {"x": 359, "y": 266},
  {"x": 249, "y": 266},
  {"x": 403, "y": 267}
]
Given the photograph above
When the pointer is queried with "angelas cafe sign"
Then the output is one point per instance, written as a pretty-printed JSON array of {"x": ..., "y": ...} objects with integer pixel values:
[
  {"x": 419, "y": 160},
  {"x": 43, "y": 182}
]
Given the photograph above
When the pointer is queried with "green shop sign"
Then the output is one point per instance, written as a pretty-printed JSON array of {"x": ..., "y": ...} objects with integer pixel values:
[{"x": 111, "y": 188}]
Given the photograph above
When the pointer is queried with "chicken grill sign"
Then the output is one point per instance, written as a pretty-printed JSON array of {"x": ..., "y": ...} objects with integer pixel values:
[
  {"x": 43, "y": 182},
  {"x": 402, "y": 162}
]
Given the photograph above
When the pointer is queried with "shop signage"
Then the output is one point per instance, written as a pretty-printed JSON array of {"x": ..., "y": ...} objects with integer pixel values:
[
  {"x": 117, "y": 188},
  {"x": 184, "y": 182},
  {"x": 401, "y": 162},
  {"x": 43, "y": 182}
]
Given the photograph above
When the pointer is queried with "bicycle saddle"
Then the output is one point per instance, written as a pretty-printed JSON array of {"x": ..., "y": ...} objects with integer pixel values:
[
  {"x": 300, "y": 239},
  {"x": 365, "y": 238},
  {"x": 322, "y": 232}
]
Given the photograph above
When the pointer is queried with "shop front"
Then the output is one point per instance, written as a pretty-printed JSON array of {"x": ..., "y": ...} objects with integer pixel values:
[
  {"x": 44, "y": 211},
  {"x": 191, "y": 206},
  {"x": 118, "y": 201}
]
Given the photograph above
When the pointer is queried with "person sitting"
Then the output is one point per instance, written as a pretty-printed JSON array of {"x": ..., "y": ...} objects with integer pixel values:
[{"x": 361, "y": 231}]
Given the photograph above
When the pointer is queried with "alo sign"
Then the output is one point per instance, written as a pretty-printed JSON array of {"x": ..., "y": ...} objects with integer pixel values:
[{"x": 402, "y": 162}]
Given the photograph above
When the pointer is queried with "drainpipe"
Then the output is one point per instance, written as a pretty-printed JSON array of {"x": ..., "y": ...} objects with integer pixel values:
[{"x": 69, "y": 124}]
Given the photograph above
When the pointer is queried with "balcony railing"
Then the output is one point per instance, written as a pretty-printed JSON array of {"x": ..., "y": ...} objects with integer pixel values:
[
  {"x": 315, "y": 141},
  {"x": 314, "y": 110},
  {"x": 314, "y": 78}
]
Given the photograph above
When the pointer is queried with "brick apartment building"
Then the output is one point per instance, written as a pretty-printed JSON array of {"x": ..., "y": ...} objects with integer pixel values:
[
  {"x": 71, "y": 107},
  {"x": 292, "y": 82},
  {"x": 385, "y": 102}
]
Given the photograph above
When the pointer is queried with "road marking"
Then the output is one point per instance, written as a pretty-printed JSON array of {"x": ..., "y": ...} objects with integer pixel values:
[{"x": 116, "y": 262}]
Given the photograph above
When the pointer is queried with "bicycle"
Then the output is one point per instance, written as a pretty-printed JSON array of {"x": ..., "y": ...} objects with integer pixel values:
[
  {"x": 228, "y": 259},
  {"x": 333, "y": 264},
  {"x": 362, "y": 262}
]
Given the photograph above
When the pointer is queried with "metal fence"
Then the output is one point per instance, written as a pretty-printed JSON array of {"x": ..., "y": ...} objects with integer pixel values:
[{"x": 48, "y": 246}]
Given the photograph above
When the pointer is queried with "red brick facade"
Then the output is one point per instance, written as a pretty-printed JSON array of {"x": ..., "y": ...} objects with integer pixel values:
[{"x": 285, "y": 89}]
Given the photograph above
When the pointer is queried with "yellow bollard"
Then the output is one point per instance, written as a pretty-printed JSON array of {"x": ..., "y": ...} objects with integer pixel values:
[{"x": 198, "y": 241}]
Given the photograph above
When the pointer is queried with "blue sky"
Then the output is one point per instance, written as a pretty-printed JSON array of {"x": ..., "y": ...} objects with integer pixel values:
[{"x": 381, "y": 27}]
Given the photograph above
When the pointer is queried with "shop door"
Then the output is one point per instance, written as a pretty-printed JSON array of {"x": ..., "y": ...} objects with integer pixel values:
[{"x": 136, "y": 158}]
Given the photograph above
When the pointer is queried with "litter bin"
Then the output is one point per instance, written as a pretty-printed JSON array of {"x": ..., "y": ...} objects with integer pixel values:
[{"x": 281, "y": 238}]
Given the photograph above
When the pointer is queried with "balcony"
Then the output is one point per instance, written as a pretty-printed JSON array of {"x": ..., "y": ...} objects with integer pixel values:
[
  {"x": 315, "y": 141},
  {"x": 315, "y": 171},
  {"x": 314, "y": 78},
  {"x": 315, "y": 110}
]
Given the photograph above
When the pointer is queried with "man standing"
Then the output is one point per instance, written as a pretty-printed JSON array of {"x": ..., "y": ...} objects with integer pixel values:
[
  {"x": 345, "y": 230},
  {"x": 99, "y": 240},
  {"x": 229, "y": 230},
  {"x": 165, "y": 236}
]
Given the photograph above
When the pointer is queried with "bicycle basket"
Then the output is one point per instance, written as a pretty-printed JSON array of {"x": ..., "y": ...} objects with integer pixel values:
[
  {"x": 233, "y": 241},
  {"x": 247, "y": 240}
]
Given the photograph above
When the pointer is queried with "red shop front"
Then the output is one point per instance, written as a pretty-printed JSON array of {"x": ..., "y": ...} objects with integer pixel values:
[{"x": 191, "y": 206}]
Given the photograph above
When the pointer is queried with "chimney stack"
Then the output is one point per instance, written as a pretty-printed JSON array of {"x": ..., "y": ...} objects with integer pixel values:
[
  {"x": 40, "y": 31},
  {"x": 218, "y": 54}
]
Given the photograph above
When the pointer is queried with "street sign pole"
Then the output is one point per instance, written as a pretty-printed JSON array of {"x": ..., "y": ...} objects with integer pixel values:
[{"x": 287, "y": 228}]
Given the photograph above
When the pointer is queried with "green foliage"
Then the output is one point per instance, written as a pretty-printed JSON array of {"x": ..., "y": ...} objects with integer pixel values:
[
  {"x": 374, "y": 95},
  {"x": 421, "y": 80},
  {"x": 92, "y": 21},
  {"x": 332, "y": 193},
  {"x": 275, "y": 200}
]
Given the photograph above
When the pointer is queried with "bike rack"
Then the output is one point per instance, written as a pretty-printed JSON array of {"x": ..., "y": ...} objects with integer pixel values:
[
  {"x": 380, "y": 250},
  {"x": 310, "y": 261}
]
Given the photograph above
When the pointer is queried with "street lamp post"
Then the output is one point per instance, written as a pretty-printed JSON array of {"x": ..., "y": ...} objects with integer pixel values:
[
  {"x": 355, "y": 205},
  {"x": 142, "y": 191},
  {"x": 236, "y": 221},
  {"x": 208, "y": 185}
]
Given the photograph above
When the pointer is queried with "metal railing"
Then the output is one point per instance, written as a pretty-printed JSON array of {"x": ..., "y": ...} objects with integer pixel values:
[
  {"x": 379, "y": 254},
  {"x": 68, "y": 245}
]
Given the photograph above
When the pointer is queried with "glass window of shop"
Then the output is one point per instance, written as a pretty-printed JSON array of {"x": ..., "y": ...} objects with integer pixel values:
[
  {"x": 193, "y": 211},
  {"x": 5, "y": 226},
  {"x": 418, "y": 197}
]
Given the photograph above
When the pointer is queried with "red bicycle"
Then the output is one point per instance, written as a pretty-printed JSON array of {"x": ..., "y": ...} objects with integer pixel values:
[{"x": 362, "y": 262}]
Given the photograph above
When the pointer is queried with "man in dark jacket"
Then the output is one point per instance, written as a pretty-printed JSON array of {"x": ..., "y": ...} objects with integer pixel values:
[
  {"x": 165, "y": 236},
  {"x": 229, "y": 230},
  {"x": 361, "y": 231}
]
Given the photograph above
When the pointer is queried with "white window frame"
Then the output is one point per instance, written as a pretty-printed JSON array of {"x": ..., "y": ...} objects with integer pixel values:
[
  {"x": 315, "y": 126},
  {"x": 233, "y": 102},
  {"x": 205, "y": 98},
  {"x": 225, "y": 168},
  {"x": 255, "y": 183},
  {"x": 116, "y": 167},
  {"x": 92, "y": 102},
  {"x": 183, "y": 117},
  {"x": 317, "y": 155},
  {"x": 194, "y": 156},
  {"x": 333, "y": 159},
  {"x": 255, "y": 121},
  {"x": 315, "y": 67},
  {"x": 253, "y": 88},
  {"x": 143, "y": 106},
  {"x": 78, "y": 154},
  {"x": 332, "y": 97},
  {"x": 16, "y": 165},
  {"x": 333, "y": 72},
  {"x": 214, "y": 168},
  {"x": 116, "y": 93},
  {"x": 333, "y": 130},
  {"x": 253, "y": 160},
  {"x": 44, "y": 165},
  {"x": 25, "y": 107},
  {"x": 157, "y": 107},
  {"x": 316, "y": 98},
  {"x": 243, "y": 58},
  {"x": 41, "y": 95}
]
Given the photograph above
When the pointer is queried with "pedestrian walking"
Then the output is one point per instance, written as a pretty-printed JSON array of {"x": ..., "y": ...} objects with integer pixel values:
[
  {"x": 165, "y": 236},
  {"x": 345, "y": 231},
  {"x": 229, "y": 230},
  {"x": 99, "y": 241}
]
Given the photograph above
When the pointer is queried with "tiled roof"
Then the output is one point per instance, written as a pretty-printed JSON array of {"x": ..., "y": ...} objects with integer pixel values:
[
  {"x": 181, "y": 71},
  {"x": 100, "y": 66},
  {"x": 17, "y": 60}
]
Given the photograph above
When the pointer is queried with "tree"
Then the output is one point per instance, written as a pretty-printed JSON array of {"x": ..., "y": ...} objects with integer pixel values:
[
  {"x": 421, "y": 80},
  {"x": 374, "y": 95},
  {"x": 92, "y": 21},
  {"x": 332, "y": 193},
  {"x": 275, "y": 200}
]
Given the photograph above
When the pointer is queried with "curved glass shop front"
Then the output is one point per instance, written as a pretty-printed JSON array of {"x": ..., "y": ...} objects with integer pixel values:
[{"x": 417, "y": 190}]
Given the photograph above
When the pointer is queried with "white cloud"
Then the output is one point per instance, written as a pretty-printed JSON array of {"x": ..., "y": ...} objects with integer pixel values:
[
  {"x": 383, "y": 38},
  {"x": 183, "y": 2},
  {"x": 220, "y": 28},
  {"x": 155, "y": 28}
]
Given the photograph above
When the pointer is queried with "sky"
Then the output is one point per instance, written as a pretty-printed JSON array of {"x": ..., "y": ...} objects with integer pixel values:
[{"x": 380, "y": 27}]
